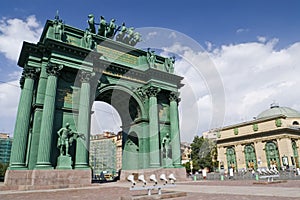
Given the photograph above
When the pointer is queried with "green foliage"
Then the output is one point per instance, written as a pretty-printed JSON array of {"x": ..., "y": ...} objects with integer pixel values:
[
  {"x": 204, "y": 153},
  {"x": 3, "y": 168},
  {"x": 187, "y": 167}
]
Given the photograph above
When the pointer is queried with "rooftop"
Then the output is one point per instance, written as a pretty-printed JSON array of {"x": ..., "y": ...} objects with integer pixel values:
[{"x": 275, "y": 109}]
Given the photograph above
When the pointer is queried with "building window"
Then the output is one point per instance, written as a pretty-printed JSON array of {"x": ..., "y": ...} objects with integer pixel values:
[
  {"x": 295, "y": 123},
  {"x": 231, "y": 159}
]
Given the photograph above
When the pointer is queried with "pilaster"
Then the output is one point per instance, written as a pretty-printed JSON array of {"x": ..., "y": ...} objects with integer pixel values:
[
  {"x": 285, "y": 149},
  {"x": 222, "y": 157},
  {"x": 240, "y": 156},
  {"x": 260, "y": 154}
]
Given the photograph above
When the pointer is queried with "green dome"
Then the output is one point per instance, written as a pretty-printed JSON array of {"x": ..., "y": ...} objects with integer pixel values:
[{"x": 277, "y": 110}]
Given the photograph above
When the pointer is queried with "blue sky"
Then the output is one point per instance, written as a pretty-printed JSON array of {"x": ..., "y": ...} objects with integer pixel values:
[
  {"x": 203, "y": 20},
  {"x": 267, "y": 31}
]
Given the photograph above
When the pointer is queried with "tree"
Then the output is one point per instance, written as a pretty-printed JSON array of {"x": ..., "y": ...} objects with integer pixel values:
[
  {"x": 187, "y": 166},
  {"x": 203, "y": 153},
  {"x": 3, "y": 168}
]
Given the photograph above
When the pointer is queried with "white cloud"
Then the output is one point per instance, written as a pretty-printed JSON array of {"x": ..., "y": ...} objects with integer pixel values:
[
  {"x": 173, "y": 35},
  {"x": 14, "y": 31},
  {"x": 104, "y": 118},
  {"x": 200, "y": 106},
  {"x": 256, "y": 74},
  {"x": 241, "y": 30},
  {"x": 15, "y": 75},
  {"x": 12, "y": 34},
  {"x": 261, "y": 39},
  {"x": 9, "y": 99},
  {"x": 209, "y": 45},
  {"x": 151, "y": 35}
]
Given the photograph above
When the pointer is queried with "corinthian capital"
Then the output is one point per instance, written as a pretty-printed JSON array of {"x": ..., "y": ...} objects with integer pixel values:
[
  {"x": 28, "y": 73},
  {"x": 152, "y": 91},
  {"x": 53, "y": 69},
  {"x": 86, "y": 76},
  {"x": 174, "y": 96},
  {"x": 142, "y": 93}
]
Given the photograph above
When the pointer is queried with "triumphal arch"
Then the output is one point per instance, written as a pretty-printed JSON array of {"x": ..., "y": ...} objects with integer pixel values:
[{"x": 63, "y": 74}]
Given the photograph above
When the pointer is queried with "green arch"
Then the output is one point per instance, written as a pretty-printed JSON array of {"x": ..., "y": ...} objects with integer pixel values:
[
  {"x": 250, "y": 156},
  {"x": 231, "y": 158},
  {"x": 126, "y": 90},
  {"x": 272, "y": 154},
  {"x": 295, "y": 153}
]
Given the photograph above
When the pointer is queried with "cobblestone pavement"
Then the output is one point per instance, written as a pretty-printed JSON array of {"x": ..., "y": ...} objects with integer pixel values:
[{"x": 212, "y": 190}]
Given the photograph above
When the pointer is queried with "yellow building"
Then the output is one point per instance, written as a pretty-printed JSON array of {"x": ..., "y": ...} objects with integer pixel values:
[
  {"x": 271, "y": 139},
  {"x": 185, "y": 152}
]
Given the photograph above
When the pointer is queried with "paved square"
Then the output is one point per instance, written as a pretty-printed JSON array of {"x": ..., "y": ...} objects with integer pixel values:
[{"x": 233, "y": 190}]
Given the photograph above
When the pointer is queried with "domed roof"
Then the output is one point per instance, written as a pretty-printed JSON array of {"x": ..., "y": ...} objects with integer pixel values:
[{"x": 277, "y": 110}]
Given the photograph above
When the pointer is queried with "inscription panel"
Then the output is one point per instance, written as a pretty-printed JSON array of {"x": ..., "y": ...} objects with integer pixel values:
[{"x": 117, "y": 56}]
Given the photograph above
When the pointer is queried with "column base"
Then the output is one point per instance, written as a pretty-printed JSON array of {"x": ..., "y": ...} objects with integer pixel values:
[
  {"x": 43, "y": 166},
  {"x": 82, "y": 166},
  {"x": 155, "y": 165},
  {"x": 167, "y": 162},
  {"x": 17, "y": 166}
]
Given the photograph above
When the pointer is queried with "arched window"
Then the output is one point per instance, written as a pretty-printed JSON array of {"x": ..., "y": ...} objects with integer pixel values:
[
  {"x": 295, "y": 152},
  {"x": 272, "y": 154},
  {"x": 231, "y": 159},
  {"x": 250, "y": 157},
  {"x": 295, "y": 123}
]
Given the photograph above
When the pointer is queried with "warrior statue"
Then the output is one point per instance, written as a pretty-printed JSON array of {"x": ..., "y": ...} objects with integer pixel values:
[
  {"x": 111, "y": 29},
  {"x": 102, "y": 27},
  {"x": 122, "y": 33},
  {"x": 91, "y": 22},
  {"x": 129, "y": 36},
  {"x": 151, "y": 58},
  {"x": 58, "y": 27},
  {"x": 169, "y": 64},
  {"x": 65, "y": 139},
  {"x": 136, "y": 38}
]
